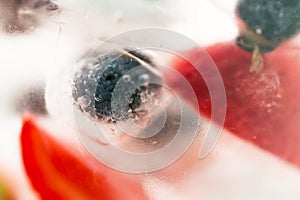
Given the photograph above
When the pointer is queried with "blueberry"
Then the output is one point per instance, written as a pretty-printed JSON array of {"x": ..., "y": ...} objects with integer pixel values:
[
  {"x": 115, "y": 85},
  {"x": 269, "y": 22}
]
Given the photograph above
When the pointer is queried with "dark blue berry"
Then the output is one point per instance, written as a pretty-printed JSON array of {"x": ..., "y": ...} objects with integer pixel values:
[
  {"x": 109, "y": 80},
  {"x": 269, "y": 22}
]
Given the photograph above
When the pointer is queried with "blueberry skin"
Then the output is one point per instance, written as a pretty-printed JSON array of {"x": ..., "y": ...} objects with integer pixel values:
[
  {"x": 97, "y": 80},
  {"x": 274, "y": 20}
]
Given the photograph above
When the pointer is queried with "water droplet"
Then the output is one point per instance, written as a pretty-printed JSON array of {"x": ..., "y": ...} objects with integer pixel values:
[
  {"x": 127, "y": 78},
  {"x": 258, "y": 31},
  {"x": 269, "y": 105},
  {"x": 84, "y": 101},
  {"x": 144, "y": 78}
]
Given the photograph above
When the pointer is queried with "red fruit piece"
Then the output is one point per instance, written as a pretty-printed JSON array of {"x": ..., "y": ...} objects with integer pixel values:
[
  {"x": 58, "y": 171},
  {"x": 262, "y": 108}
]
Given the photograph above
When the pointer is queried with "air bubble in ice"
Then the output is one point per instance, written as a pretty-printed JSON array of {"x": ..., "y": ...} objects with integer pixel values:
[{"x": 126, "y": 78}]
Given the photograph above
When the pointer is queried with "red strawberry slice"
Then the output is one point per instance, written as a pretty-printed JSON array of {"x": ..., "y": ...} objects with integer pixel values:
[
  {"x": 262, "y": 108},
  {"x": 57, "y": 171}
]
